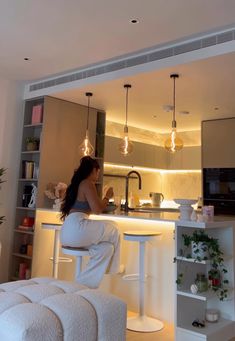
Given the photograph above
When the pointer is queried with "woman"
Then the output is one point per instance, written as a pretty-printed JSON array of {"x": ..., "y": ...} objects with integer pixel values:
[{"x": 100, "y": 237}]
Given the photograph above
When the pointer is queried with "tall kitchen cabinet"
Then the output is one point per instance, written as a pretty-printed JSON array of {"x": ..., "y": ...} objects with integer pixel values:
[
  {"x": 192, "y": 306},
  {"x": 218, "y": 143},
  {"x": 60, "y": 132}
]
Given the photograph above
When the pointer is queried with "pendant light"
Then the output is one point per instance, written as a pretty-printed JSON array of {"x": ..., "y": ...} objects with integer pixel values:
[
  {"x": 126, "y": 146},
  {"x": 174, "y": 143},
  {"x": 86, "y": 148}
]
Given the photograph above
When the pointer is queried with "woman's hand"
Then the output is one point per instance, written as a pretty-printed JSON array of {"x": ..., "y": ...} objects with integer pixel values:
[{"x": 109, "y": 193}]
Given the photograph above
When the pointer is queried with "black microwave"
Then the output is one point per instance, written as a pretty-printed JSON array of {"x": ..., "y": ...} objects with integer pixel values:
[{"x": 219, "y": 189}]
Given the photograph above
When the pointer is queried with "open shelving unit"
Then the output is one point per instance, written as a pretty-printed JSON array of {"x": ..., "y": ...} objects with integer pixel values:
[
  {"x": 25, "y": 237},
  {"x": 189, "y": 306}
]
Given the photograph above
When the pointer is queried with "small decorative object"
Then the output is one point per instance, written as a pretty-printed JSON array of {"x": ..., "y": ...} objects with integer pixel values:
[
  {"x": 56, "y": 192},
  {"x": 32, "y": 143},
  {"x": 194, "y": 289},
  {"x": 185, "y": 208},
  {"x": 193, "y": 216},
  {"x": 32, "y": 202},
  {"x": 201, "y": 282},
  {"x": 214, "y": 278},
  {"x": 198, "y": 323},
  {"x": 208, "y": 211},
  {"x": 212, "y": 315}
]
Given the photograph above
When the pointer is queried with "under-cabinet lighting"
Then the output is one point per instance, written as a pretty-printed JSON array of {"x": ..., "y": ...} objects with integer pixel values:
[{"x": 152, "y": 170}]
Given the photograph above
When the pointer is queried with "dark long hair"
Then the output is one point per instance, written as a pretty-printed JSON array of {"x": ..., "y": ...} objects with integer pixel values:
[{"x": 87, "y": 164}]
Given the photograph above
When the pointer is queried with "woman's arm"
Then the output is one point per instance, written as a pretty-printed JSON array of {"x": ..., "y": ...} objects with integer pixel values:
[{"x": 96, "y": 204}]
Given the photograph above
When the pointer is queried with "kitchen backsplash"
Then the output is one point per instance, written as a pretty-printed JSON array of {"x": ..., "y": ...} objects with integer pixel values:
[{"x": 172, "y": 185}]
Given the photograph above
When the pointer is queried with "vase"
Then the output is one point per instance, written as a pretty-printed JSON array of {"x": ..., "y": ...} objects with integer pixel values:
[{"x": 57, "y": 205}]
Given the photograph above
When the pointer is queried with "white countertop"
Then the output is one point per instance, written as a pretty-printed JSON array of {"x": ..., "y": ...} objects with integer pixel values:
[{"x": 219, "y": 221}]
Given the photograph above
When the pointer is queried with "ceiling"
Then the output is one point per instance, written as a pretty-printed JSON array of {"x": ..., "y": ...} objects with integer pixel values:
[
  {"x": 205, "y": 88},
  {"x": 58, "y": 36}
]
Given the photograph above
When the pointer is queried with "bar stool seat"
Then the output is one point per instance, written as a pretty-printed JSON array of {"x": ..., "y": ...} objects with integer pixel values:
[
  {"x": 142, "y": 323},
  {"x": 78, "y": 252}
]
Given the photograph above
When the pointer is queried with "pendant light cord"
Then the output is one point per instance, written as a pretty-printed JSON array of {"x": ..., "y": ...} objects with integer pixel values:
[
  {"x": 127, "y": 87},
  {"x": 174, "y": 100},
  {"x": 126, "y": 104},
  {"x": 88, "y": 94},
  {"x": 174, "y": 76}
]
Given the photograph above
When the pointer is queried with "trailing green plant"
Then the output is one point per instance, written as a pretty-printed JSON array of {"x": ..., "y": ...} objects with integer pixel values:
[
  {"x": 2, "y": 172},
  {"x": 202, "y": 242}
]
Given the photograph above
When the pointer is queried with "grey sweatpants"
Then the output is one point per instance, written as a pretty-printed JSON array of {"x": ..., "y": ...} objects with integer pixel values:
[{"x": 101, "y": 238}]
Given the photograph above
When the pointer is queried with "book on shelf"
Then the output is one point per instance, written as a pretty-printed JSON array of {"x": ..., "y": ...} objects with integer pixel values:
[
  {"x": 37, "y": 114},
  {"x": 29, "y": 170}
]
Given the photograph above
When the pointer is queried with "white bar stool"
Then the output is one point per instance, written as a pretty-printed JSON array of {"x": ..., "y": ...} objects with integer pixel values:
[
  {"x": 56, "y": 259},
  {"x": 78, "y": 252},
  {"x": 142, "y": 323}
]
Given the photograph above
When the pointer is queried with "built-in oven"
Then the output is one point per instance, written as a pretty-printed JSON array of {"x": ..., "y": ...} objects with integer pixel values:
[{"x": 219, "y": 189}]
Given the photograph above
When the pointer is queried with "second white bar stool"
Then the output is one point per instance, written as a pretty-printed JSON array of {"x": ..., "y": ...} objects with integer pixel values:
[
  {"x": 142, "y": 323},
  {"x": 78, "y": 252}
]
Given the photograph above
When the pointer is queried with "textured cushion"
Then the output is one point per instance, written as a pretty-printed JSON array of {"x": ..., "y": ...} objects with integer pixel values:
[{"x": 47, "y": 309}]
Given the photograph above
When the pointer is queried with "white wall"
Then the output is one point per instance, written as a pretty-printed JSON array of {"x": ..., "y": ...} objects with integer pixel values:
[{"x": 11, "y": 121}]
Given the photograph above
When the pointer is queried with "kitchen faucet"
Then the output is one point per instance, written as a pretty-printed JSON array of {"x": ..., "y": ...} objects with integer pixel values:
[{"x": 126, "y": 208}]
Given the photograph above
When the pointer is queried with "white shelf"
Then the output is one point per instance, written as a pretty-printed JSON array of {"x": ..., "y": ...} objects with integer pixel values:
[
  {"x": 16, "y": 254},
  {"x": 33, "y": 125},
  {"x": 25, "y": 208},
  {"x": 23, "y": 179},
  {"x": 210, "y": 328},
  {"x": 203, "y": 296},
  {"x": 30, "y": 152},
  {"x": 23, "y": 232},
  {"x": 192, "y": 260}
]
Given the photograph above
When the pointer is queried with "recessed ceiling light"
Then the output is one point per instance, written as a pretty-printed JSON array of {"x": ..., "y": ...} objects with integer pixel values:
[
  {"x": 168, "y": 107},
  {"x": 184, "y": 112},
  {"x": 134, "y": 21},
  {"x": 26, "y": 58},
  {"x": 154, "y": 116}
]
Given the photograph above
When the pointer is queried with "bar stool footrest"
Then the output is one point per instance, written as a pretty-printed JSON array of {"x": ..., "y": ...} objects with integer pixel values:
[
  {"x": 133, "y": 277},
  {"x": 63, "y": 259},
  {"x": 144, "y": 324}
]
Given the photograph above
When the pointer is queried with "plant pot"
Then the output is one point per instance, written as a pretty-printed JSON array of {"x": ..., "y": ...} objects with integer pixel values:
[
  {"x": 31, "y": 146},
  {"x": 200, "y": 250}
]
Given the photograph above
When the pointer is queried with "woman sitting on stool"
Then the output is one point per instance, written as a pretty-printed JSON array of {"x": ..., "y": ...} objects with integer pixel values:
[{"x": 100, "y": 237}]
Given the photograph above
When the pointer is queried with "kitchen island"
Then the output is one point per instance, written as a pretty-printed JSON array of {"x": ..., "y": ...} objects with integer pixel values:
[{"x": 162, "y": 297}]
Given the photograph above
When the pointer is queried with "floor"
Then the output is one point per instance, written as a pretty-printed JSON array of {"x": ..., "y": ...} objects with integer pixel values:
[{"x": 166, "y": 334}]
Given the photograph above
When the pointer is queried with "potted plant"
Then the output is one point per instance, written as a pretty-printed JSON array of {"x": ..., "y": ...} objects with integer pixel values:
[
  {"x": 203, "y": 247},
  {"x": 32, "y": 143},
  {"x": 2, "y": 172}
]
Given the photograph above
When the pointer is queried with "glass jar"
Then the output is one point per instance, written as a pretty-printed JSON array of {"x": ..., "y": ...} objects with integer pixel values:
[{"x": 201, "y": 282}]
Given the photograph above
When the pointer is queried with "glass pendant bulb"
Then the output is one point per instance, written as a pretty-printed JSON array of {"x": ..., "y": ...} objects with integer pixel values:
[
  {"x": 174, "y": 143},
  {"x": 86, "y": 148},
  {"x": 125, "y": 146}
]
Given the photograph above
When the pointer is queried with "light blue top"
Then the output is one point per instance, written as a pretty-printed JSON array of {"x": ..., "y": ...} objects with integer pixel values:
[{"x": 81, "y": 205}]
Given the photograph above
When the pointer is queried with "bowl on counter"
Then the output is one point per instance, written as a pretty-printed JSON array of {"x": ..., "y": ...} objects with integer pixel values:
[
  {"x": 111, "y": 207},
  {"x": 185, "y": 202},
  {"x": 185, "y": 207}
]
